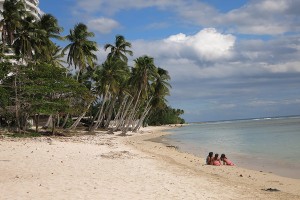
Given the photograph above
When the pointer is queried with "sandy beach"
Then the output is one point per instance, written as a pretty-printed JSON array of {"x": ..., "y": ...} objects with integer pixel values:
[{"x": 106, "y": 166}]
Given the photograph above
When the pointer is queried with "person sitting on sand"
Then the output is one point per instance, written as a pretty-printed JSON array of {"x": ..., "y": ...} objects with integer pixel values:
[
  {"x": 209, "y": 158},
  {"x": 216, "y": 160},
  {"x": 225, "y": 160}
]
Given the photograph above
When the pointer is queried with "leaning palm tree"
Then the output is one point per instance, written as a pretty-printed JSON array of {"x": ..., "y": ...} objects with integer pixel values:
[
  {"x": 119, "y": 49},
  {"x": 143, "y": 73},
  {"x": 108, "y": 79},
  {"x": 81, "y": 49},
  {"x": 158, "y": 91}
]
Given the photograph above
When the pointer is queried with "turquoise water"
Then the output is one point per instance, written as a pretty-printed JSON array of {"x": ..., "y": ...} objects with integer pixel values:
[{"x": 269, "y": 145}]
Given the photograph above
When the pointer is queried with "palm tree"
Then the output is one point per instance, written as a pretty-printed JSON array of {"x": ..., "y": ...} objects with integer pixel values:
[
  {"x": 49, "y": 23},
  {"x": 13, "y": 12},
  {"x": 161, "y": 88},
  {"x": 108, "y": 79},
  {"x": 27, "y": 42},
  {"x": 81, "y": 49},
  {"x": 143, "y": 73},
  {"x": 119, "y": 50},
  {"x": 55, "y": 58},
  {"x": 49, "y": 29}
]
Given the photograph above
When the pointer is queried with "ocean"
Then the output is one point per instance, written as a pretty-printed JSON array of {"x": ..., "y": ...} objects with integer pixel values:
[{"x": 270, "y": 144}]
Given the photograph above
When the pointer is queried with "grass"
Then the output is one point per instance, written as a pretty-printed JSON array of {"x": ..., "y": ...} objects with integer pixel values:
[{"x": 25, "y": 135}]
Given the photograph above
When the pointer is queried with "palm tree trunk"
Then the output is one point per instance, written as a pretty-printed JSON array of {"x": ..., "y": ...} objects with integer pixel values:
[
  {"x": 118, "y": 117},
  {"x": 110, "y": 112},
  {"x": 127, "y": 124},
  {"x": 100, "y": 116},
  {"x": 121, "y": 121},
  {"x": 58, "y": 120},
  {"x": 48, "y": 122},
  {"x": 66, "y": 120},
  {"x": 17, "y": 104},
  {"x": 146, "y": 111},
  {"x": 36, "y": 119},
  {"x": 53, "y": 125},
  {"x": 75, "y": 124}
]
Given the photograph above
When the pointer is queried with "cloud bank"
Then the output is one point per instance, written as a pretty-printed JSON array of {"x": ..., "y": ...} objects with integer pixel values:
[{"x": 240, "y": 63}]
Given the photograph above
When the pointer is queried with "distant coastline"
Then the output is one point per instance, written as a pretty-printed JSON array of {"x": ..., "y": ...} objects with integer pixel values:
[{"x": 245, "y": 119}]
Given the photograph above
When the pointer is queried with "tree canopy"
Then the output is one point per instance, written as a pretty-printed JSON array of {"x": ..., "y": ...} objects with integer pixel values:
[{"x": 36, "y": 81}]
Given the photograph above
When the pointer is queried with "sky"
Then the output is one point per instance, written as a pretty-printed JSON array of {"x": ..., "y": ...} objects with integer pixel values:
[{"x": 233, "y": 59}]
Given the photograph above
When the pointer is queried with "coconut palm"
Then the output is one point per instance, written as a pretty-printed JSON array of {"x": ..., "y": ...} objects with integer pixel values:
[
  {"x": 161, "y": 88},
  {"x": 49, "y": 29},
  {"x": 56, "y": 58},
  {"x": 156, "y": 100},
  {"x": 143, "y": 73},
  {"x": 12, "y": 14},
  {"x": 119, "y": 49},
  {"x": 81, "y": 49},
  {"x": 108, "y": 79},
  {"x": 49, "y": 23},
  {"x": 27, "y": 39}
]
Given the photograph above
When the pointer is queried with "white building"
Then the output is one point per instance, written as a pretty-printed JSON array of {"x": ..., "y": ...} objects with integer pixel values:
[{"x": 30, "y": 5}]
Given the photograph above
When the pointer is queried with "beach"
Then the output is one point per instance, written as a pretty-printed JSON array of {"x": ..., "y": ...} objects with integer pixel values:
[{"x": 106, "y": 166}]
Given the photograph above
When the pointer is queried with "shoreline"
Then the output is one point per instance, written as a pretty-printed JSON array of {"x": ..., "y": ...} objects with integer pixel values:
[
  {"x": 113, "y": 167},
  {"x": 263, "y": 167},
  {"x": 150, "y": 143}
]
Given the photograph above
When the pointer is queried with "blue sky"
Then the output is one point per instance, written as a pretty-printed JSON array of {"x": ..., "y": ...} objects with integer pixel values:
[{"x": 229, "y": 59}]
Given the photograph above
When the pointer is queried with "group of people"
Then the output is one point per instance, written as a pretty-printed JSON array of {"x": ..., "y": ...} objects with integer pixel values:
[{"x": 215, "y": 160}]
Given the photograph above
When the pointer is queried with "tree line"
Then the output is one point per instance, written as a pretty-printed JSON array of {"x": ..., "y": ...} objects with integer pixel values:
[{"x": 35, "y": 79}]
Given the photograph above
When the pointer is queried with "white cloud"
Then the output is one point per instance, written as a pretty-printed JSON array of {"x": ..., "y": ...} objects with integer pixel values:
[
  {"x": 209, "y": 54},
  {"x": 211, "y": 45},
  {"x": 103, "y": 25},
  {"x": 206, "y": 45}
]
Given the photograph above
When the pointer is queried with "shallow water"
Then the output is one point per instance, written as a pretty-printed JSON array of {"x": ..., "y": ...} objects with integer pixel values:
[{"x": 269, "y": 145}]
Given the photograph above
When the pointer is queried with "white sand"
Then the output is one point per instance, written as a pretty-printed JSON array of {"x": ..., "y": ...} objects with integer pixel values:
[{"x": 113, "y": 167}]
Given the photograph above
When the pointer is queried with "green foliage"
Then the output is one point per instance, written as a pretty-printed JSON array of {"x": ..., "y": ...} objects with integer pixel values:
[
  {"x": 5, "y": 68},
  {"x": 81, "y": 49},
  {"x": 164, "y": 116},
  {"x": 67, "y": 124},
  {"x": 49, "y": 91},
  {"x": 42, "y": 85},
  {"x": 26, "y": 135}
]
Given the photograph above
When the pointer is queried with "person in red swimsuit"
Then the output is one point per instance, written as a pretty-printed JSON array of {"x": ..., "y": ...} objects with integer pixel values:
[
  {"x": 226, "y": 161},
  {"x": 216, "y": 160}
]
